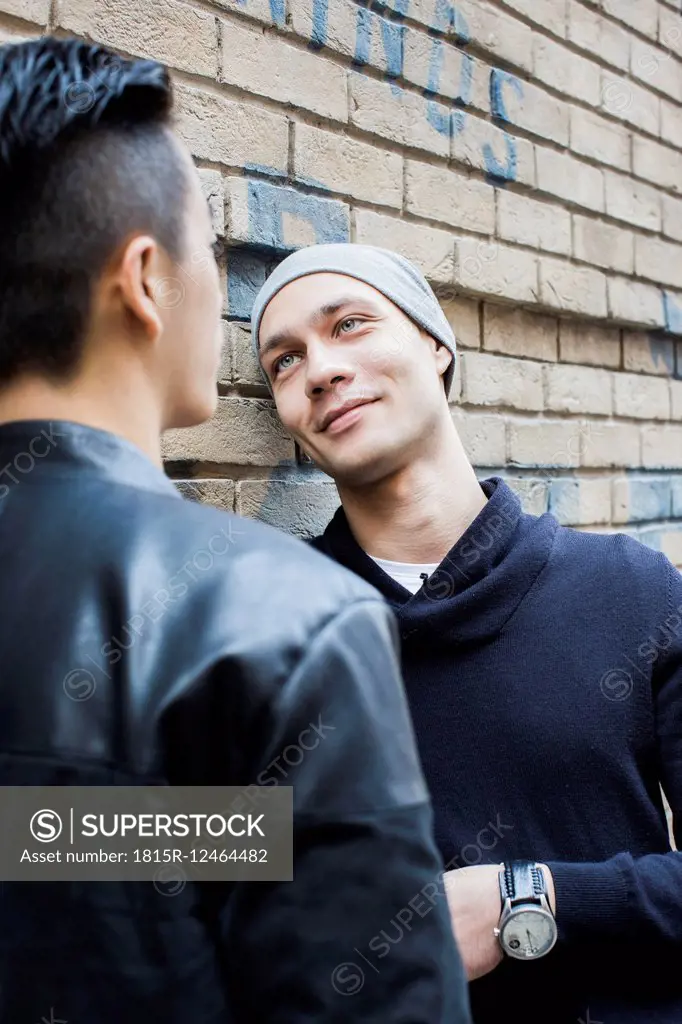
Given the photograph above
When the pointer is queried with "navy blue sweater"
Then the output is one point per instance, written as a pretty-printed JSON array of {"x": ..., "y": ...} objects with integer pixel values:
[{"x": 544, "y": 672}]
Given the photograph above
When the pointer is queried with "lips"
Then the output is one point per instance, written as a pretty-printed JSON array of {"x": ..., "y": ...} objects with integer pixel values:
[{"x": 341, "y": 410}]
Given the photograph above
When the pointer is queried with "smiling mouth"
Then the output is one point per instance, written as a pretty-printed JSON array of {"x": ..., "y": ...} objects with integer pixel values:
[{"x": 347, "y": 418}]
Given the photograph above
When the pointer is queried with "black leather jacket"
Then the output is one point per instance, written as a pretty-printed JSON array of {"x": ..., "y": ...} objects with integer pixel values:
[{"x": 149, "y": 639}]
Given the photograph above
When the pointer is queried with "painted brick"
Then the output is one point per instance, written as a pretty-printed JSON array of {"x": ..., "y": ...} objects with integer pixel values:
[
  {"x": 529, "y": 107},
  {"x": 582, "y": 502},
  {"x": 12, "y": 35},
  {"x": 442, "y": 194},
  {"x": 671, "y": 124},
  {"x": 570, "y": 179},
  {"x": 530, "y": 222},
  {"x": 534, "y": 494},
  {"x": 479, "y": 98},
  {"x": 256, "y": 10},
  {"x": 658, "y": 261},
  {"x": 595, "y": 34},
  {"x": 464, "y": 316},
  {"x": 455, "y": 392},
  {"x": 231, "y": 133},
  {"x": 246, "y": 273},
  {"x": 498, "y": 33},
  {"x": 245, "y": 368},
  {"x": 263, "y": 63},
  {"x": 671, "y": 544},
  {"x": 595, "y": 137},
  {"x": 672, "y": 315},
  {"x": 432, "y": 250},
  {"x": 642, "y": 397},
  {"x": 554, "y": 443},
  {"x": 175, "y": 33},
  {"x": 483, "y": 436},
  {"x": 676, "y": 400},
  {"x": 676, "y": 492},
  {"x": 669, "y": 30},
  {"x": 651, "y": 537},
  {"x": 638, "y": 499},
  {"x": 214, "y": 193},
  {"x": 442, "y": 19},
  {"x": 396, "y": 114},
  {"x": 656, "y": 68},
  {"x": 244, "y": 431},
  {"x": 353, "y": 32},
  {"x": 437, "y": 65},
  {"x": 627, "y": 101},
  {"x": 662, "y": 447},
  {"x": 491, "y": 269},
  {"x": 300, "y": 507},
  {"x": 615, "y": 445},
  {"x": 658, "y": 164},
  {"x": 278, "y": 218},
  {"x": 632, "y": 201},
  {"x": 37, "y": 11},
  {"x": 347, "y": 166},
  {"x": 516, "y": 332},
  {"x": 549, "y": 13},
  {"x": 225, "y": 368},
  {"x": 219, "y": 493},
  {"x": 501, "y": 156},
  {"x": 641, "y": 15},
  {"x": 499, "y": 381},
  {"x": 578, "y": 389},
  {"x": 632, "y": 302},
  {"x": 572, "y": 288},
  {"x": 565, "y": 71},
  {"x": 605, "y": 245},
  {"x": 672, "y": 217},
  {"x": 585, "y": 343},
  {"x": 645, "y": 352}
]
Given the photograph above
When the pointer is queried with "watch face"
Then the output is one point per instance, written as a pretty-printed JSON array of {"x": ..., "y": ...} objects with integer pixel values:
[{"x": 528, "y": 932}]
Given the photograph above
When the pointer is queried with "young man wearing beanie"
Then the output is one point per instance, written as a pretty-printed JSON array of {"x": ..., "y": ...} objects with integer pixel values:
[{"x": 543, "y": 665}]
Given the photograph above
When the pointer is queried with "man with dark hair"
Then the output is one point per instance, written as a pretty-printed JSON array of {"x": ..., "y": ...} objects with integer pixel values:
[
  {"x": 543, "y": 665},
  {"x": 149, "y": 640}
]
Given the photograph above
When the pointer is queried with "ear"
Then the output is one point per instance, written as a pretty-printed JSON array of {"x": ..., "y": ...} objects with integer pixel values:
[
  {"x": 142, "y": 287},
  {"x": 443, "y": 357}
]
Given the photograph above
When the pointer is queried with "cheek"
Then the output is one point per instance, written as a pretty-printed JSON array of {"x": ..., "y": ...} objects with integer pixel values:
[{"x": 292, "y": 407}]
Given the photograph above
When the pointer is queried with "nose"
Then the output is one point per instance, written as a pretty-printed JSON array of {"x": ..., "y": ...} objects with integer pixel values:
[{"x": 326, "y": 371}]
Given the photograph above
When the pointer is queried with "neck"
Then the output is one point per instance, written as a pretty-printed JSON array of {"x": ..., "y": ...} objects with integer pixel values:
[
  {"x": 418, "y": 513},
  {"x": 101, "y": 398}
]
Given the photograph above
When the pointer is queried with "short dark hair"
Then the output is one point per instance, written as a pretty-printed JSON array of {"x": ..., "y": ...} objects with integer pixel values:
[{"x": 87, "y": 159}]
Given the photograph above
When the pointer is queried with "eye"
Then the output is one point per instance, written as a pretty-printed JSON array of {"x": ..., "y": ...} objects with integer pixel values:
[
  {"x": 353, "y": 320},
  {"x": 279, "y": 364}
]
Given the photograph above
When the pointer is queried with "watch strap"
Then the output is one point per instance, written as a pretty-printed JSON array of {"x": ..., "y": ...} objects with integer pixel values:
[{"x": 522, "y": 881}]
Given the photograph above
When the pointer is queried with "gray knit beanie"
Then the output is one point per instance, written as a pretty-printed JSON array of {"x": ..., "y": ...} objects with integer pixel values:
[{"x": 391, "y": 274}]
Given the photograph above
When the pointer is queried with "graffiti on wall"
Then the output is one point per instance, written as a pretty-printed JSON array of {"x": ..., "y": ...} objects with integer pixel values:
[{"x": 272, "y": 208}]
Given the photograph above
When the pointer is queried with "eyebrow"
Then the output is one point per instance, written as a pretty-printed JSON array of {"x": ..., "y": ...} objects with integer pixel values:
[{"x": 317, "y": 317}]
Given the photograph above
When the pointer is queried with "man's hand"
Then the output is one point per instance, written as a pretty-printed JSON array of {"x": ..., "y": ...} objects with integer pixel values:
[{"x": 475, "y": 906}]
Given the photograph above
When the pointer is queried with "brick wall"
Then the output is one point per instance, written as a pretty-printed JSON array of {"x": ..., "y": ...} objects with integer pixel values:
[{"x": 527, "y": 154}]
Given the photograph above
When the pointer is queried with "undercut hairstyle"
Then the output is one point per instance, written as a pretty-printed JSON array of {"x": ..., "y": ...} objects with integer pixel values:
[{"x": 87, "y": 160}]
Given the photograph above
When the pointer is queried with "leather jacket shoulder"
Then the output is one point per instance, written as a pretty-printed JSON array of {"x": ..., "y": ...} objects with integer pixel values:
[{"x": 151, "y": 639}]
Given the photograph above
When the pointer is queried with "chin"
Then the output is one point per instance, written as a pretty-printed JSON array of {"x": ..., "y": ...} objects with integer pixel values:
[
  {"x": 358, "y": 471},
  {"x": 195, "y": 412}
]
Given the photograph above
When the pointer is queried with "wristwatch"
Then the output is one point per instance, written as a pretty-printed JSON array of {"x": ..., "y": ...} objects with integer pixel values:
[{"x": 527, "y": 929}]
